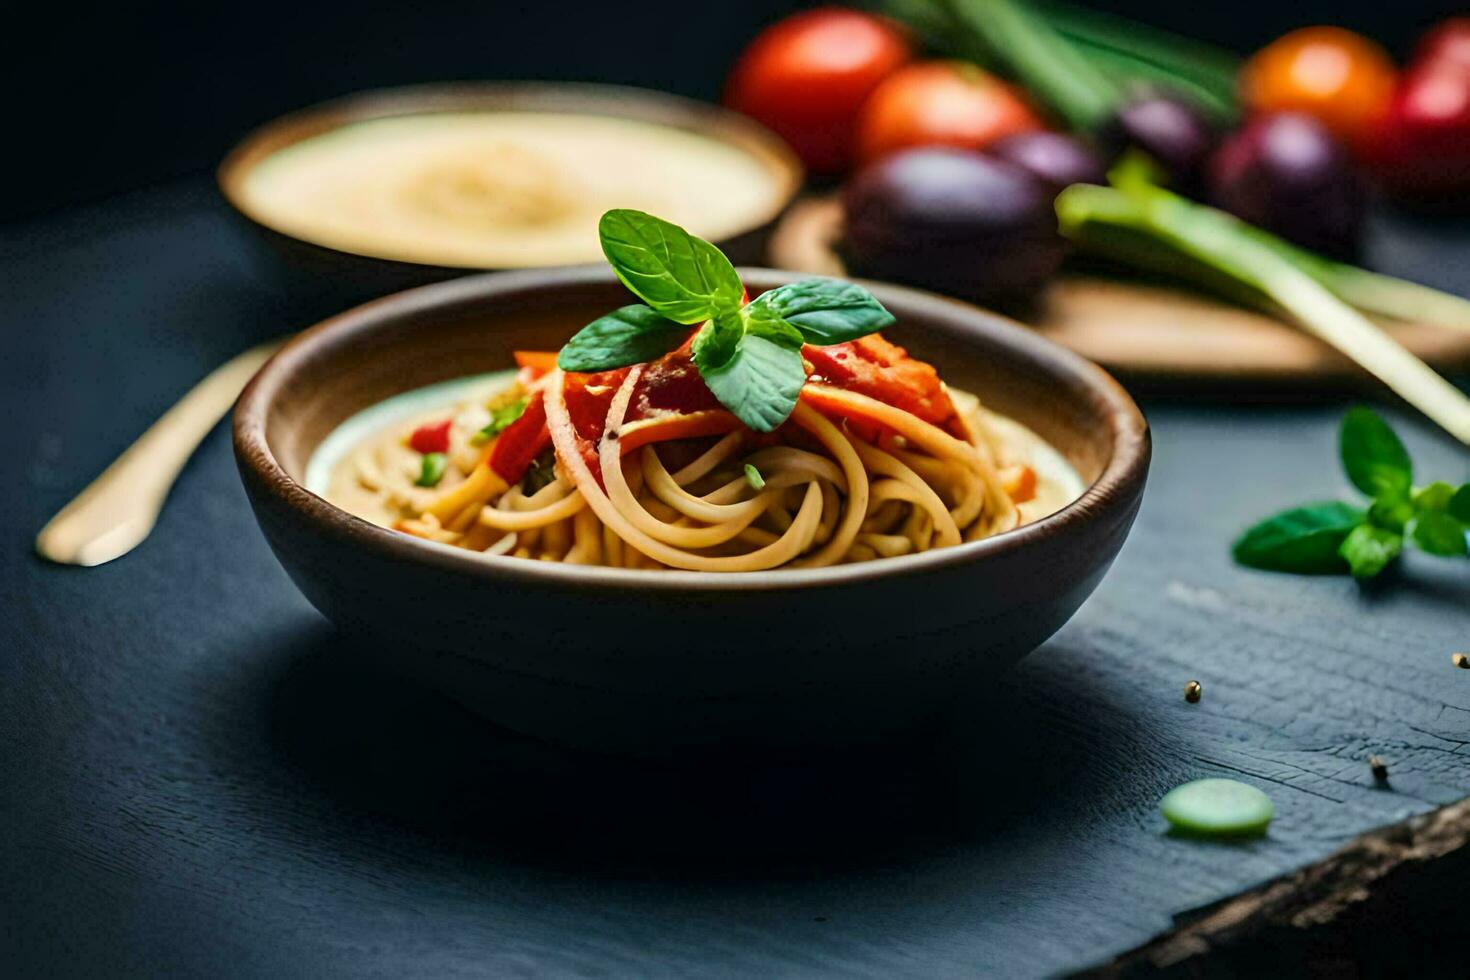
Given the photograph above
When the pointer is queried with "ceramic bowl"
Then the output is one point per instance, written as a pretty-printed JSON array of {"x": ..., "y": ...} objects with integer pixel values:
[
  {"x": 668, "y": 662},
  {"x": 322, "y": 274}
]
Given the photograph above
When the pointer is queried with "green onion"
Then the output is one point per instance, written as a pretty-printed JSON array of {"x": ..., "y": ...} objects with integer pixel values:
[
  {"x": 1132, "y": 53},
  {"x": 1248, "y": 258},
  {"x": 1050, "y": 66},
  {"x": 1373, "y": 292},
  {"x": 431, "y": 470},
  {"x": 754, "y": 478}
]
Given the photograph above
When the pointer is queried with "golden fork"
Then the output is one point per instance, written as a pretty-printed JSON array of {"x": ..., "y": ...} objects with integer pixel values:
[{"x": 117, "y": 510}]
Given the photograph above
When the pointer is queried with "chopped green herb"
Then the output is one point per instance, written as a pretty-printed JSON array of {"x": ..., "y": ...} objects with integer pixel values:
[
  {"x": 1217, "y": 808},
  {"x": 500, "y": 420},
  {"x": 431, "y": 470},
  {"x": 754, "y": 478},
  {"x": 1335, "y": 537}
]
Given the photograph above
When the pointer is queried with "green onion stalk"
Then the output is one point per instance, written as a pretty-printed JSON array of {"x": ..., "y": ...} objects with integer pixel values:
[
  {"x": 1079, "y": 63},
  {"x": 1160, "y": 228}
]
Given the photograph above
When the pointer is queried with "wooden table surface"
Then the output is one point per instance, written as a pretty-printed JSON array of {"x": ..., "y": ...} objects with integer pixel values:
[{"x": 196, "y": 777}]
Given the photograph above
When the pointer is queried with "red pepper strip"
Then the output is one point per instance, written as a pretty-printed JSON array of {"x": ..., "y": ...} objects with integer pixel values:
[
  {"x": 540, "y": 361},
  {"x": 431, "y": 438},
  {"x": 522, "y": 441},
  {"x": 883, "y": 371}
]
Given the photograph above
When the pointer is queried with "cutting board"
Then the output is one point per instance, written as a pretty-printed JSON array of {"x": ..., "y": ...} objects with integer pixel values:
[{"x": 1146, "y": 329}]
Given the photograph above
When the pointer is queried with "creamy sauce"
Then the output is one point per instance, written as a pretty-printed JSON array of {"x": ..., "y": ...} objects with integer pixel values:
[
  {"x": 383, "y": 428},
  {"x": 503, "y": 189}
]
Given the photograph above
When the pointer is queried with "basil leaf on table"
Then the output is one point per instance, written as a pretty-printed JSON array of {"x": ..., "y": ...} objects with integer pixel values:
[
  {"x": 1391, "y": 510},
  {"x": 1368, "y": 549},
  {"x": 1434, "y": 496},
  {"x": 1439, "y": 533},
  {"x": 825, "y": 311},
  {"x": 1303, "y": 540},
  {"x": 1459, "y": 505},
  {"x": 1375, "y": 460},
  {"x": 682, "y": 277},
  {"x": 628, "y": 335},
  {"x": 760, "y": 383}
]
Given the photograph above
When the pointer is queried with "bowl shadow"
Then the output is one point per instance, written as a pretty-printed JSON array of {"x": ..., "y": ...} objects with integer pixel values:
[{"x": 380, "y": 745}]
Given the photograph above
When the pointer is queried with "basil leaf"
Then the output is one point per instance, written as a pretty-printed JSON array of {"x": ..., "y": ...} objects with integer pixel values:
[
  {"x": 763, "y": 323},
  {"x": 1459, "y": 505},
  {"x": 716, "y": 342},
  {"x": 1368, "y": 549},
  {"x": 1303, "y": 539},
  {"x": 1436, "y": 496},
  {"x": 760, "y": 383},
  {"x": 628, "y": 335},
  {"x": 1375, "y": 460},
  {"x": 754, "y": 478},
  {"x": 431, "y": 470},
  {"x": 1439, "y": 534},
  {"x": 683, "y": 277},
  {"x": 826, "y": 311}
]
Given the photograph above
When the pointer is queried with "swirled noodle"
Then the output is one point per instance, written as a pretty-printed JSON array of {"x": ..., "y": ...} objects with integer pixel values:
[{"x": 823, "y": 495}]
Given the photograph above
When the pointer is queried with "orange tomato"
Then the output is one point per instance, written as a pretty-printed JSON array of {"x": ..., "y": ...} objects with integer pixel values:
[
  {"x": 940, "y": 103},
  {"x": 807, "y": 76},
  {"x": 1342, "y": 78}
]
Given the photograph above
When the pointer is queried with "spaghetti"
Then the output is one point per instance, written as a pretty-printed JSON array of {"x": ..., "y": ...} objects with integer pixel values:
[{"x": 641, "y": 468}]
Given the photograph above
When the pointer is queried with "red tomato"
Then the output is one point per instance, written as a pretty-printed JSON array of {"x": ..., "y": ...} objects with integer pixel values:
[
  {"x": 806, "y": 78},
  {"x": 941, "y": 103},
  {"x": 670, "y": 385},
  {"x": 1447, "y": 44},
  {"x": 431, "y": 438},
  {"x": 1342, "y": 78},
  {"x": 872, "y": 366},
  {"x": 1424, "y": 150}
]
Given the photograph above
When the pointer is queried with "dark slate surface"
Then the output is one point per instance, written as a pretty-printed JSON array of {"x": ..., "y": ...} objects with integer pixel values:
[{"x": 196, "y": 777}]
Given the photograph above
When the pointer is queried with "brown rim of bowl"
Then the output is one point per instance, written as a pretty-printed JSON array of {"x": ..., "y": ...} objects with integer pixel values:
[
  {"x": 1121, "y": 477},
  {"x": 620, "y": 101}
]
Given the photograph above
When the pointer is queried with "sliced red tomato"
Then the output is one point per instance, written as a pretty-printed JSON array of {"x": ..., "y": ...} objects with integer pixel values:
[
  {"x": 588, "y": 397},
  {"x": 874, "y": 367},
  {"x": 431, "y": 438},
  {"x": 521, "y": 442},
  {"x": 671, "y": 384},
  {"x": 671, "y": 401}
]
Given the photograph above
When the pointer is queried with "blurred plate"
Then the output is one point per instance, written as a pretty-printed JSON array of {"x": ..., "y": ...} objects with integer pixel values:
[
  {"x": 1141, "y": 328},
  {"x": 334, "y": 272}
]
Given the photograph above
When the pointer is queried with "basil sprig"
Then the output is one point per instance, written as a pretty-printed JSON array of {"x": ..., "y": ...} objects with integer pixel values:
[
  {"x": 1333, "y": 538},
  {"x": 748, "y": 354}
]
